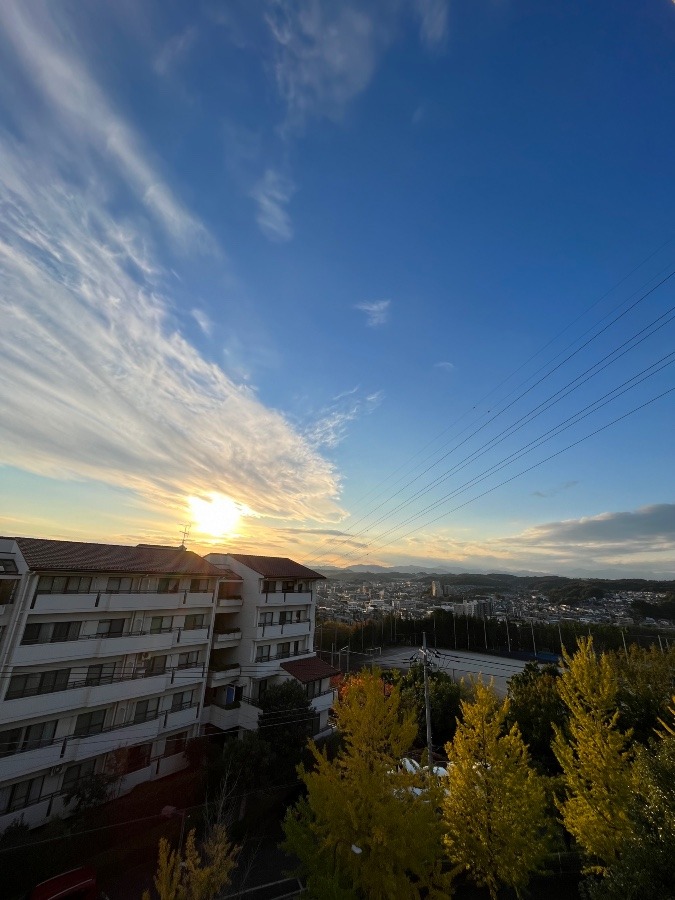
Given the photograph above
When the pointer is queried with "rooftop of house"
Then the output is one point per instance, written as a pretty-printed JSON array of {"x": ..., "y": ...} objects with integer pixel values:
[
  {"x": 275, "y": 566},
  {"x": 43, "y": 555},
  {"x": 309, "y": 669}
]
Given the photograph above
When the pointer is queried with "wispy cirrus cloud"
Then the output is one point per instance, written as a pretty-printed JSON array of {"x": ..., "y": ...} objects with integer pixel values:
[
  {"x": 445, "y": 366},
  {"x": 377, "y": 312},
  {"x": 329, "y": 427},
  {"x": 85, "y": 124},
  {"x": 203, "y": 320},
  {"x": 551, "y": 492},
  {"x": 175, "y": 50},
  {"x": 272, "y": 195},
  {"x": 433, "y": 19}
]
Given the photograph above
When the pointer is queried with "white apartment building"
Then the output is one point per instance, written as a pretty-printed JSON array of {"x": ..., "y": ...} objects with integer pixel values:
[
  {"x": 263, "y": 634},
  {"x": 113, "y": 657},
  {"x": 103, "y": 654}
]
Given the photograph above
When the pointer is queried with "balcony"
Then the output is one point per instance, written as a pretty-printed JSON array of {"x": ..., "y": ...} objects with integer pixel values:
[
  {"x": 280, "y": 598},
  {"x": 229, "y": 638},
  {"x": 287, "y": 630},
  {"x": 226, "y": 675},
  {"x": 100, "y": 601},
  {"x": 234, "y": 715},
  {"x": 125, "y": 735},
  {"x": 80, "y": 695},
  {"x": 323, "y": 701},
  {"x": 229, "y": 604},
  {"x": 180, "y": 718}
]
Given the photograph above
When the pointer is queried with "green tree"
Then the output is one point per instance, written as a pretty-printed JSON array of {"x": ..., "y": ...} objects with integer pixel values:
[
  {"x": 495, "y": 806},
  {"x": 536, "y": 705},
  {"x": 362, "y": 830},
  {"x": 444, "y": 702},
  {"x": 594, "y": 756},
  {"x": 191, "y": 876},
  {"x": 645, "y": 683},
  {"x": 285, "y": 725}
]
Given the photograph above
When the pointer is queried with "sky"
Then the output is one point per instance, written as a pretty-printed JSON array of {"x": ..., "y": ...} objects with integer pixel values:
[{"x": 386, "y": 282}]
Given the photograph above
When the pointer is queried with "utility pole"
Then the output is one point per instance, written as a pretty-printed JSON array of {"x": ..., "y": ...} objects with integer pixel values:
[{"x": 427, "y": 708}]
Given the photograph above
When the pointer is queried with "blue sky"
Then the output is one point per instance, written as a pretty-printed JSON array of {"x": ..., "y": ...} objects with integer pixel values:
[{"x": 325, "y": 279}]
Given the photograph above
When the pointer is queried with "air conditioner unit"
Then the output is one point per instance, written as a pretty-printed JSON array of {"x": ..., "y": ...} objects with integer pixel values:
[{"x": 55, "y": 770}]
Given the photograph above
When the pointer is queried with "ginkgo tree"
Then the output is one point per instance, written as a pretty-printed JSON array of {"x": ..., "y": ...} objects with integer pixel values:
[
  {"x": 495, "y": 806},
  {"x": 363, "y": 830},
  {"x": 594, "y": 755}
]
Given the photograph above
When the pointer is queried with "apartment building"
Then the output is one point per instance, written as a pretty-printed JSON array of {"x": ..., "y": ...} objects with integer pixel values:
[
  {"x": 263, "y": 634},
  {"x": 103, "y": 654}
]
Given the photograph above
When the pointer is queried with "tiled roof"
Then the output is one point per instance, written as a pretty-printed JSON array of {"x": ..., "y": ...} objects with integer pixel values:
[
  {"x": 309, "y": 669},
  {"x": 76, "y": 556},
  {"x": 275, "y": 566}
]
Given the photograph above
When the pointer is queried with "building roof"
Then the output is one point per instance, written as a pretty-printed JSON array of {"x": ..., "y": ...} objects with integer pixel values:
[
  {"x": 309, "y": 669},
  {"x": 275, "y": 566},
  {"x": 78, "y": 556}
]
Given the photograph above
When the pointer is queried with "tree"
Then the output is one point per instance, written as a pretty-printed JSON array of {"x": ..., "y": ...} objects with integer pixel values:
[
  {"x": 593, "y": 754},
  {"x": 536, "y": 705},
  {"x": 645, "y": 678},
  {"x": 191, "y": 876},
  {"x": 362, "y": 830},
  {"x": 645, "y": 867},
  {"x": 495, "y": 806},
  {"x": 444, "y": 702},
  {"x": 285, "y": 725}
]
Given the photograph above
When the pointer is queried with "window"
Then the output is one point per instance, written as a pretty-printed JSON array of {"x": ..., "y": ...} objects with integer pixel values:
[
  {"x": 146, "y": 709},
  {"x": 168, "y": 586},
  {"x": 18, "y": 796},
  {"x": 262, "y": 654},
  {"x": 90, "y": 723},
  {"x": 262, "y": 688},
  {"x": 160, "y": 624},
  {"x": 298, "y": 615},
  {"x": 77, "y": 584},
  {"x": 37, "y": 683},
  {"x": 194, "y": 621},
  {"x": 138, "y": 757},
  {"x": 8, "y": 588},
  {"x": 76, "y": 772},
  {"x": 285, "y": 616},
  {"x": 63, "y": 584},
  {"x": 283, "y": 650},
  {"x": 269, "y": 587},
  {"x": 201, "y": 586},
  {"x": 266, "y": 618},
  {"x": 39, "y": 735},
  {"x": 288, "y": 587},
  {"x": 51, "y": 632},
  {"x": 9, "y": 741},
  {"x": 313, "y": 688},
  {"x": 188, "y": 660},
  {"x": 296, "y": 648},
  {"x": 182, "y": 700},
  {"x": 121, "y": 585},
  {"x": 156, "y": 665},
  {"x": 175, "y": 744},
  {"x": 110, "y": 628},
  {"x": 7, "y": 566},
  {"x": 100, "y": 673}
]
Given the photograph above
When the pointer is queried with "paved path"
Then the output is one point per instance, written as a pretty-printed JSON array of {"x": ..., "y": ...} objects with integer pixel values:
[{"x": 457, "y": 663}]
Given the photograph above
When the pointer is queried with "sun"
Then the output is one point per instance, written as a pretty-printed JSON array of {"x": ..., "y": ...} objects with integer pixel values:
[{"x": 216, "y": 516}]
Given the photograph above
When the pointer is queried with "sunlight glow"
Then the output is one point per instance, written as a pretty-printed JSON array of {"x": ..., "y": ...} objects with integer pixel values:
[{"x": 217, "y": 516}]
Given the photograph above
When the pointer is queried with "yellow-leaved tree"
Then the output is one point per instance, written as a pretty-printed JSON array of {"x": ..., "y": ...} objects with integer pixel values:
[
  {"x": 366, "y": 829},
  {"x": 191, "y": 876},
  {"x": 595, "y": 756},
  {"x": 495, "y": 808}
]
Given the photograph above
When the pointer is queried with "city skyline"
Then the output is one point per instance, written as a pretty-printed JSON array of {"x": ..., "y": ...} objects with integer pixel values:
[{"x": 376, "y": 283}]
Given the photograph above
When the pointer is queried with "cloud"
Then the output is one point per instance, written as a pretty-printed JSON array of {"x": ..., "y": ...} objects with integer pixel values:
[
  {"x": 325, "y": 55},
  {"x": 377, "y": 312},
  {"x": 446, "y": 366},
  {"x": 433, "y": 19},
  {"x": 272, "y": 195},
  {"x": 203, "y": 321},
  {"x": 175, "y": 51},
  {"x": 565, "y": 486},
  {"x": 85, "y": 123},
  {"x": 330, "y": 426},
  {"x": 98, "y": 382},
  {"x": 649, "y": 527}
]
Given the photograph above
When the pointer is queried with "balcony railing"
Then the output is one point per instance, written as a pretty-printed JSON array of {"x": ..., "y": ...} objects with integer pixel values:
[
  {"x": 274, "y": 657},
  {"x": 106, "y": 636}
]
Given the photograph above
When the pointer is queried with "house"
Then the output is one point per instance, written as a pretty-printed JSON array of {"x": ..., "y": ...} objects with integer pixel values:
[
  {"x": 263, "y": 634},
  {"x": 103, "y": 654}
]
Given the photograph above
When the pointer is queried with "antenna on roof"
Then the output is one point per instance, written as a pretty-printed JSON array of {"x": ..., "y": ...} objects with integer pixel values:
[{"x": 186, "y": 533}]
